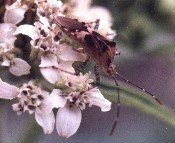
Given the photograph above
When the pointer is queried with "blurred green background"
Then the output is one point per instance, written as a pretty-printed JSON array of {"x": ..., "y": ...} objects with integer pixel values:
[{"x": 146, "y": 39}]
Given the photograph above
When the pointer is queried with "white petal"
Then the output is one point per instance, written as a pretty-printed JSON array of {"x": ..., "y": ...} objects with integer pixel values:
[
  {"x": 8, "y": 91},
  {"x": 6, "y": 33},
  {"x": 67, "y": 53},
  {"x": 44, "y": 21},
  {"x": 14, "y": 16},
  {"x": 15, "y": 107},
  {"x": 28, "y": 30},
  {"x": 110, "y": 34},
  {"x": 46, "y": 121},
  {"x": 54, "y": 3},
  {"x": 19, "y": 67},
  {"x": 97, "y": 12},
  {"x": 81, "y": 5},
  {"x": 55, "y": 100},
  {"x": 6, "y": 62},
  {"x": 68, "y": 120},
  {"x": 50, "y": 74},
  {"x": 66, "y": 66},
  {"x": 49, "y": 60},
  {"x": 97, "y": 99}
]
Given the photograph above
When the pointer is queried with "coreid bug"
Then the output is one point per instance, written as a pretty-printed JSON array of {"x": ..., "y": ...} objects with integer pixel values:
[{"x": 99, "y": 48}]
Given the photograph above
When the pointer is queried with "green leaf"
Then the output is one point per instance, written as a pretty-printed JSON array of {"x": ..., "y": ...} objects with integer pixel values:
[{"x": 140, "y": 100}]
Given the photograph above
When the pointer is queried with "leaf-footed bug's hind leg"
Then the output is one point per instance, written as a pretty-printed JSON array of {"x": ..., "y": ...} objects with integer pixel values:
[
  {"x": 118, "y": 107},
  {"x": 97, "y": 75}
]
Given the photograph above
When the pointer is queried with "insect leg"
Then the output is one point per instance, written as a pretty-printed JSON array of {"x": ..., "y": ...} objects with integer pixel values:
[
  {"x": 155, "y": 98},
  {"x": 118, "y": 107},
  {"x": 97, "y": 76}
]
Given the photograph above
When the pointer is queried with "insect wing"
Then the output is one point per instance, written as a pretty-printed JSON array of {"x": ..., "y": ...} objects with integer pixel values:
[
  {"x": 70, "y": 24},
  {"x": 102, "y": 38},
  {"x": 99, "y": 36},
  {"x": 99, "y": 51},
  {"x": 105, "y": 45},
  {"x": 91, "y": 42}
]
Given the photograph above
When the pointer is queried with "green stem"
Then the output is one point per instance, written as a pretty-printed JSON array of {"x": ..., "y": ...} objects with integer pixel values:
[{"x": 141, "y": 101}]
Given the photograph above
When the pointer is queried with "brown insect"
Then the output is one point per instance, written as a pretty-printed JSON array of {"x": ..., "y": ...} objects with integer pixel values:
[{"x": 99, "y": 48}]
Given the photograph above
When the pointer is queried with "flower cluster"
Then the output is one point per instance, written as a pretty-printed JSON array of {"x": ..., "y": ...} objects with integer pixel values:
[
  {"x": 17, "y": 66},
  {"x": 54, "y": 54}
]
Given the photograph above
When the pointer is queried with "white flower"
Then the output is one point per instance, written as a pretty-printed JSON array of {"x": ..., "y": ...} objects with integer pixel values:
[
  {"x": 68, "y": 120},
  {"x": 45, "y": 35},
  {"x": 97, "y": 99},
  {"x": 34, "y": 100},
  {"x": 79, "y": 83},
  {"x": 7, "y": 39},
  {"x": 48, "y": 7},
  {"x": 67, "y": 53},
  {"x": 110, "y": 34},
  {"x": 16, "y": 66},
  {"x": 69, "y": 116},
  {"x": 56, "y": 59},
  {"x": 15, "y": 13},
  {"x": 54, "y": 3},
  {"x": 8, "y": 91},
  {"x": 56, "y": 54},
  {"x": 28, "y": 30},
  {"x": 53, "y": 69},
  {"x": 48, "y": 68}
]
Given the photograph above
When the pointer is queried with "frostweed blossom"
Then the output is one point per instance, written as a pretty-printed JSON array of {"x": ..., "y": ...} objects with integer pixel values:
[
  {"x": 55, "y": 59},
  {"x": 81, "y": 94},
  {"x": 16, "y": 66},
  {"x": 8, "y": 91},
  {"x": 13, "y": 15},
  {"x": 53, "y": 54},
  {"x": 32, "y": 98}
]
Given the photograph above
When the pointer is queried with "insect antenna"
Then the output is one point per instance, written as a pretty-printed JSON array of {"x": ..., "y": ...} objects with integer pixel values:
[
  {"x": 118, "y": 107},
  {"x": 155, "y": 98}
]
